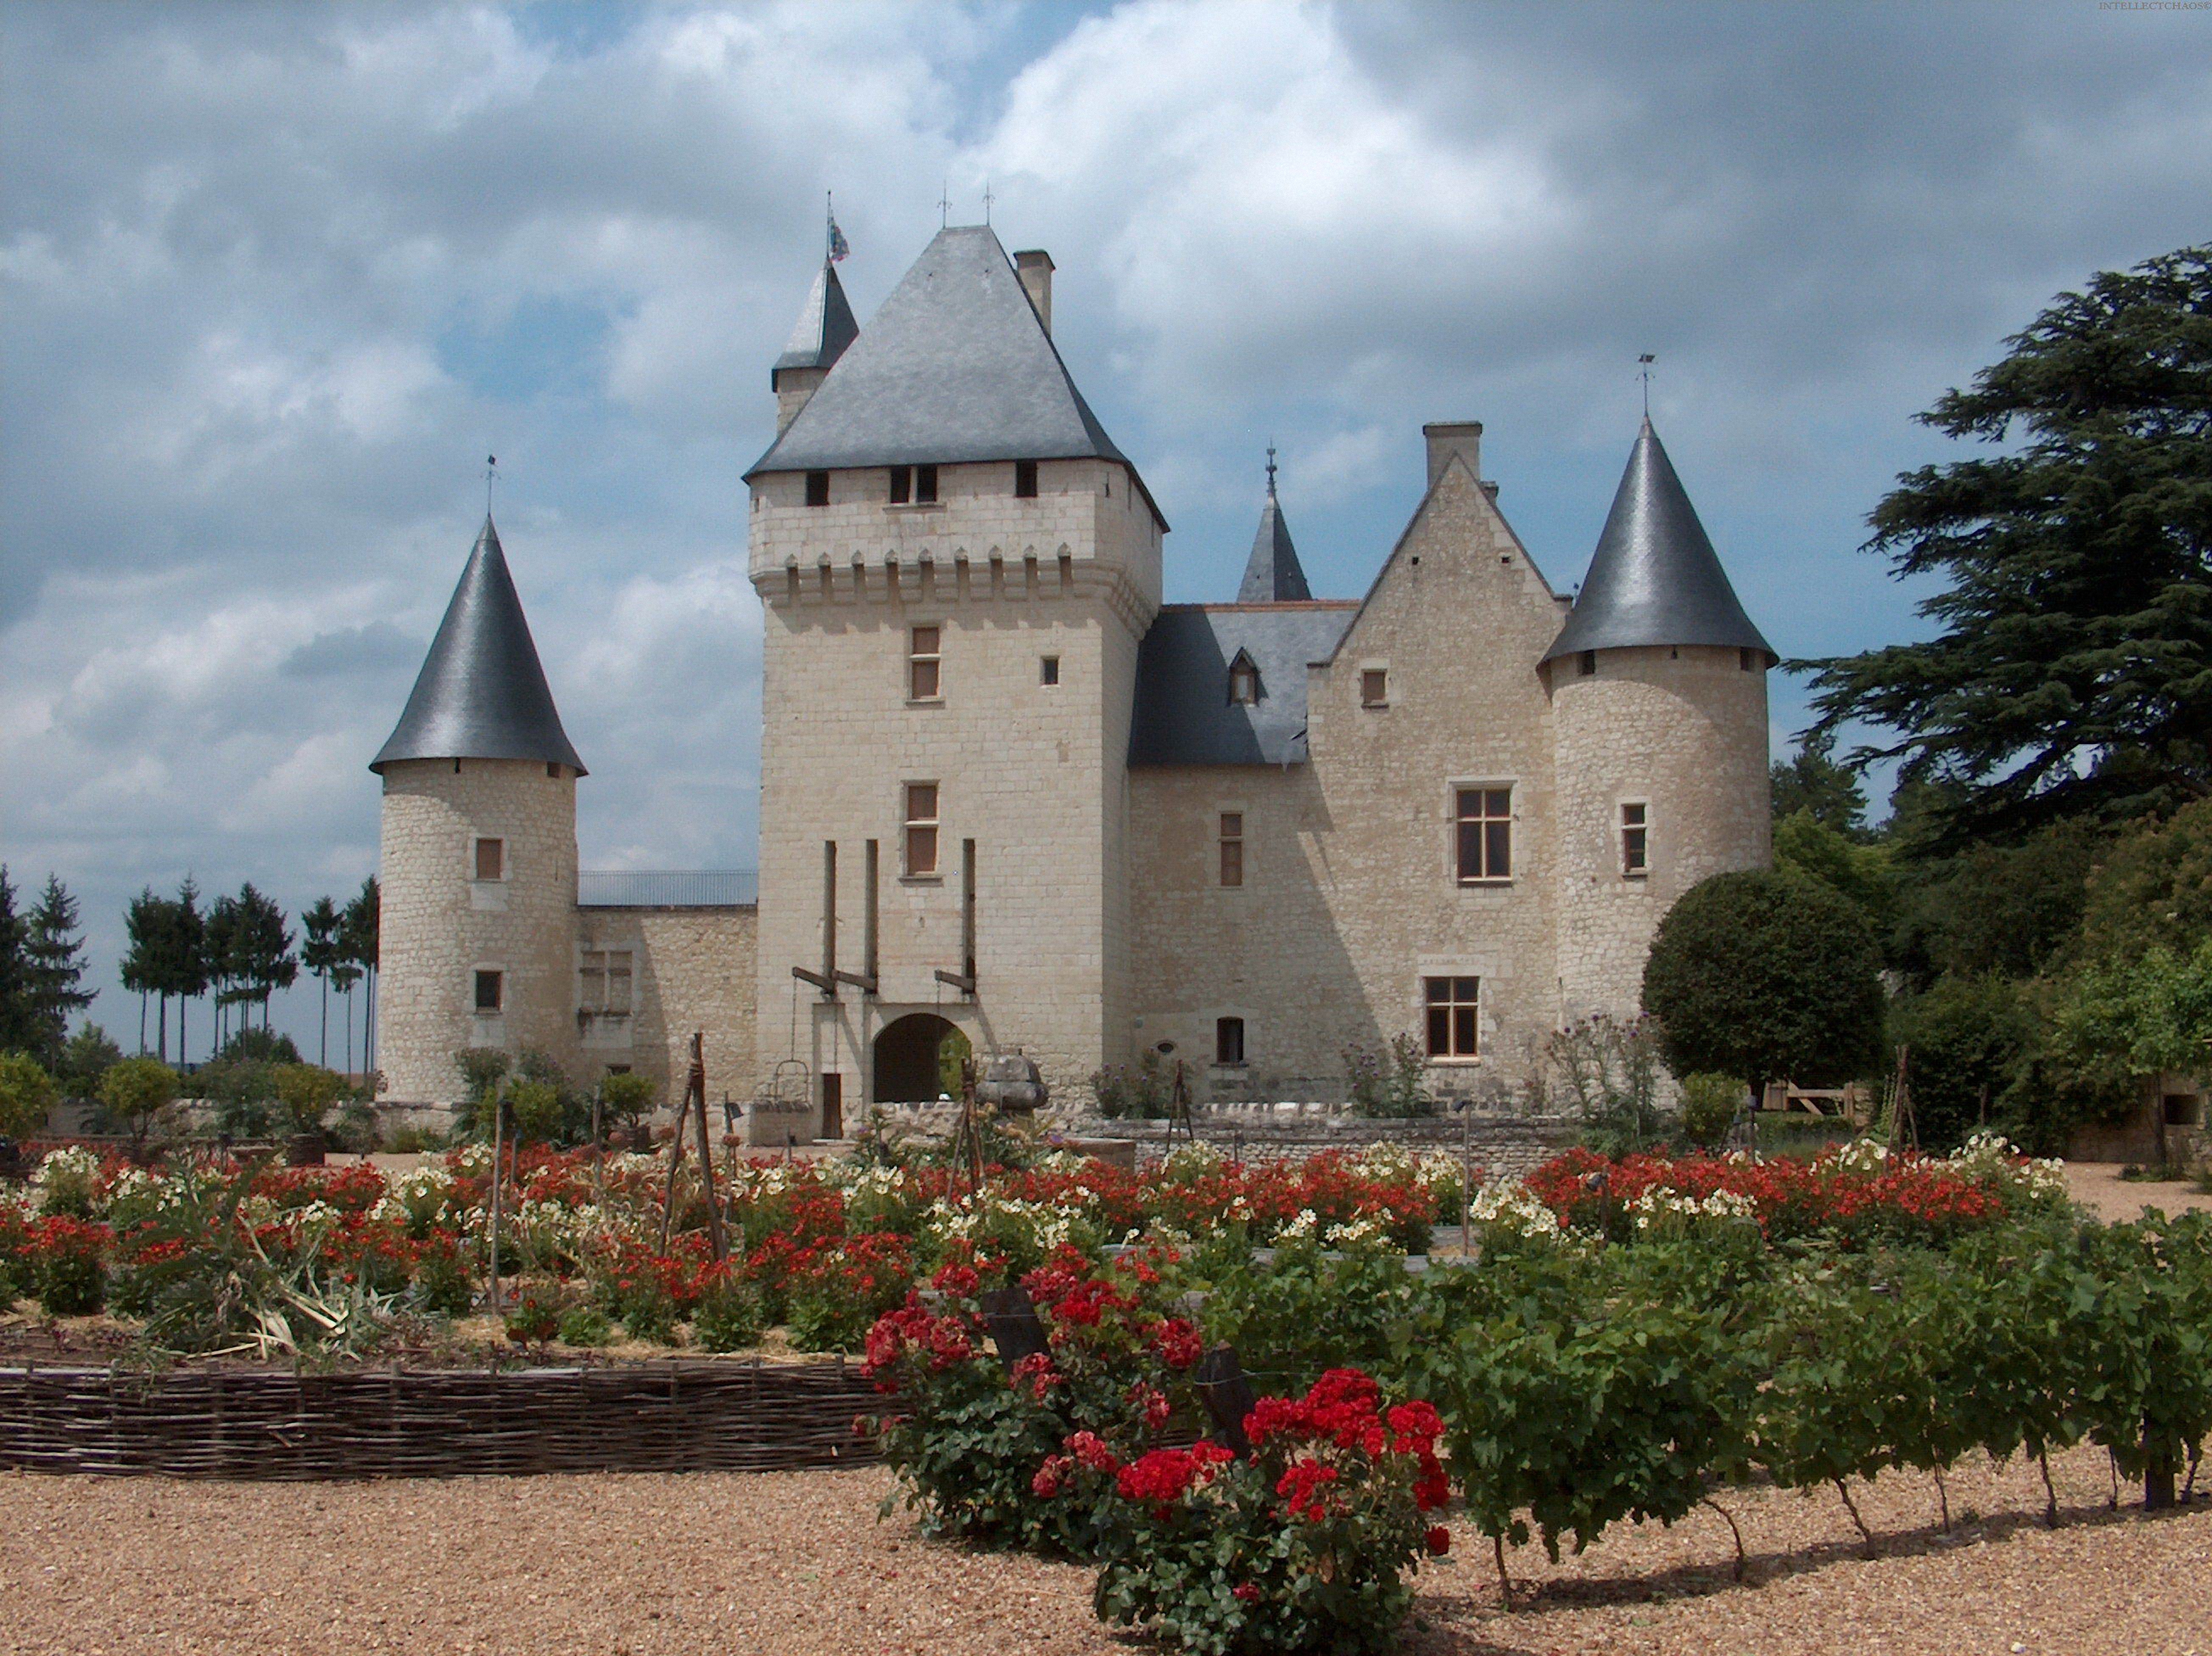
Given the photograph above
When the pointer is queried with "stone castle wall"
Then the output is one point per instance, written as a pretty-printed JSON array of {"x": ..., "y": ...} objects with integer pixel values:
[{"x": 694, "y": 970}]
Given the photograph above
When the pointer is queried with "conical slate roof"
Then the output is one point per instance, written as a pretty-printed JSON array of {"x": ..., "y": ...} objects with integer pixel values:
[
  {"x": 481, "y": 693},
  {"x": 825, "y": 325},
  {"x": 955, "y": 366},
  {"x": 1655, "y": 578},
  {"x": 1273, "y": 574}
]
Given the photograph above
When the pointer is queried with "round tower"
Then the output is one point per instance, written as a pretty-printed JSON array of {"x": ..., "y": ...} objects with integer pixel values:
[
  {"x": 1658, "y": 690},
  {"x": 477, "y": 935}
]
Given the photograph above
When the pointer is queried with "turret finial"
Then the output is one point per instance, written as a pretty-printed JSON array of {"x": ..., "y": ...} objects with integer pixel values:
[{"x": 1271, "y": 471}]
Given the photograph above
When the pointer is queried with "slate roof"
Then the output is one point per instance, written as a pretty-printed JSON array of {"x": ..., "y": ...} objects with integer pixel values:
[
  {"x": 1655, "y": 578},
  {"x": 954, "y": 367},
  {"x": 825, "y": 325},
  {"x": 1273, "y": 575},
  {"x": 1183, "y": 715},
  {"x": 481, "y": 693}
]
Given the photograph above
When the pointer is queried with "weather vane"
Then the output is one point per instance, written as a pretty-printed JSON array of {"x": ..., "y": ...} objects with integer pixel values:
[
  {"x": 987, "y": 199},
  {"x": 491, "y": 473},
  {"x": 1271, "y": 471},
  {"x": 1644, "y": 375},
  {"x": 944, "y": 203}
]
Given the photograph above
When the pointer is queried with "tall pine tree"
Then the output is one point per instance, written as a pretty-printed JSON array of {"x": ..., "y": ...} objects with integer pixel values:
[
  {"x": 2071, "y": 677},
  {"x": 53, "y": 949}
]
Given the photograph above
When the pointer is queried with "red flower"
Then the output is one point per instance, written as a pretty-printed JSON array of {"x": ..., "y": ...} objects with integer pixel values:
[
  {"x": 1036, "y": 1372},
  {"x": 1302, "y": 1482},
  {"x": 1439, "y": 1540},
  {"x": 1245, "y": 1592},
  {"x": 1091, "y": 1449},
  {"x": 1178, "y": 1343},
  {"x": 1052, "y": 1477}
]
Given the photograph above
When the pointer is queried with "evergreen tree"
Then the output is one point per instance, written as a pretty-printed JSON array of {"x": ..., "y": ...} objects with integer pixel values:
[
  {"x": 362, "y": 921},
  {"x": 1815, "y": 782},
  {"x": 141, "y": 968},
  {"x": 2072, "y": 675},
  {"x": 18, "y": 1025},
  {"x": 188, "y": 959},
  {"x": 54, "y": 967},
  {"x": 320, "y": 925},
  {"x": 224, "y": 961},
  {"x": 265, "y": 962}
]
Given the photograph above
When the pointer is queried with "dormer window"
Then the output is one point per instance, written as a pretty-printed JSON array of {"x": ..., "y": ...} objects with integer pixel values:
[{"x": 1244, "y": 681}]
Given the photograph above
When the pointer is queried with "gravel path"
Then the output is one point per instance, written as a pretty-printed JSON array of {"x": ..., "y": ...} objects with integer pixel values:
[
  {"x": 796, "y": 1562},
  {"x": 2098, "y": 1186}
]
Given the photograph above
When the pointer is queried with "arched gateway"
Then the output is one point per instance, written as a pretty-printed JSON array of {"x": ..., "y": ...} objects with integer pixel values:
[{"x": 907, "y": 1053}]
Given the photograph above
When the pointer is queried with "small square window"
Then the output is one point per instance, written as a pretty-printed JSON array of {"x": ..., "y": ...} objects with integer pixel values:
[
  {"x": 902, "y": 484},
  {"x": 1229, "y": 1040},
  {"x": 1374, "y": 687},
  {"x": 492, "y": 859},
  {"x": 817, "y": 488},
  {"x": 1049, "y": 670},
  {"x": 491, "y": 990},
  {"x": 1635, "y": 840},
  {"x": 924, "y": 484},
  {"x": 1025, "y": 479},
  {"x": 1231, "y": 843},
  {"x": 1453, "y": 1006}
]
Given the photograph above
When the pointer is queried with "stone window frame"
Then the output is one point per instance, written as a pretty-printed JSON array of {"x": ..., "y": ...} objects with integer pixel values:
[
  {"x": 496, "y": 970},
  {"x": 1375, "y": 676},
  {"x": 607, "y": 953},
  {"x": 1219, "y": 839},
  {"x": 1246, "y": 686},
  {"x": 1453, "y": 1007},
  {"x": 1225, "y": 1026},
  {"x": 1633, "y": 837},
  {"x": 1048, "y": 670},
  {"x": 1486, "y": 785},
  {"x": 925, "y": 666},
  {"x": 911, "y": 826},
  {"x": 476, "y": 843}
]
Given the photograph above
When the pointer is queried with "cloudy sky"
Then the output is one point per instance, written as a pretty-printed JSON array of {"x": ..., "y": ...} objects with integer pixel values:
[{"x": 274, "y": 279}]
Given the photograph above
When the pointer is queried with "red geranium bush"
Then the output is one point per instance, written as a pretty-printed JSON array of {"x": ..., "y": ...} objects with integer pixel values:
[
  {"x": 988, "y": 1452},
  {"x": 1305, "y": 1546}
]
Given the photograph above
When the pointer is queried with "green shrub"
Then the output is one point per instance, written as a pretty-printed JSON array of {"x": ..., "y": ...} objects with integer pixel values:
[
  {"x": 649, "y": 1313},
  {"x": 625, "y": 1100},
  {"x": 307, "y": 1093},
  {"x": 533, "y": 1315},
  {"x": 1392, "y": 1084},
  {"x": 729, "y": 1316},
  {"x": 136, "y": 1094},
  {"x": 534, "y": 1111},
  {"x": 444, "y": 1285},
  {"x": 1710, "y": 1107},
  {"x": 586, "y": 1325},
  {"x": 26, "y": 1094},
  {"x": 68, "y": 1266}
]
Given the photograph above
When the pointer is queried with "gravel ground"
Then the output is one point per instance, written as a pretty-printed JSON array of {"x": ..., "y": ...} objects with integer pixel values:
[
  {"x": 796, "y": 1562},
  {"x": 2098, "y": 1186}
]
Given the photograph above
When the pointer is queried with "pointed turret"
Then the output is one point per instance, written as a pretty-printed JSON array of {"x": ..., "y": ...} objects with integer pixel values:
[
  {"x": 481, "y": 693},
  {"x": 1273, "y": 575},
  {"x": 825, "y": 326},
  {"x": 1655, "y": 578},
  {"x": 955, "y": 366}
]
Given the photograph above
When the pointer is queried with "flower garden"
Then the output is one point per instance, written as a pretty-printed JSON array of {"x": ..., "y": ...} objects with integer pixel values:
[{"x": 1605, "y": 1340}]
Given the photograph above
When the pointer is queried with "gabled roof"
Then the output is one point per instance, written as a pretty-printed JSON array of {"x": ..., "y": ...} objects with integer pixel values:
[
  {"x": 481, "y": 693},
  {"x": 1183, "y": 715},
  {"x": 954, "y": 367},
  {"x": 1273, "y": 575},
  {"x": 1655, "y": 578},
  {"x": 825, "y": 325}
]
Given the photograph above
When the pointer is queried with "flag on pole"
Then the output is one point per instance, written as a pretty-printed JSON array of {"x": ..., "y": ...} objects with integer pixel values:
[{"x": 837, "y": 248}]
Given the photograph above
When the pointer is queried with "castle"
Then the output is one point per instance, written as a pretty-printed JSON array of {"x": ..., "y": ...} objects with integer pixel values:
[{"x": 1005, "y": 790}]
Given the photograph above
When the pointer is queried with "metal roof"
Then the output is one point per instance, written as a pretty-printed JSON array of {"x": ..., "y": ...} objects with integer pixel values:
[
  {"x": 481, "y": 693},
  {"x": 1273, "y": 574},
  {"x": 1655, "y": 578},
  {"x": 825, "y": 325},
  {"x": 955, "y": 366},
  {"x": 1183, "y": 715}
]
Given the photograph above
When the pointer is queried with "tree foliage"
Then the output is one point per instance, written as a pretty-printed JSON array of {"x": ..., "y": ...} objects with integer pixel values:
[
  {"x": 2071, "y": 676},
  {"x": 2152, "y": 889},
  {"x": 1767, "y": 976},
  {"x": 1816, "y": 783}
]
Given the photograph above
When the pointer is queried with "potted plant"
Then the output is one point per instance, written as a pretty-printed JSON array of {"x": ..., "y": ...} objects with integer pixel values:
[{"x": 305, "y": 1094}]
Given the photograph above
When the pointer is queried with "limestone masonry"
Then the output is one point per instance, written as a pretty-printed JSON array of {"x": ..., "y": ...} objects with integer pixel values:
[{"x": 1007, "y": 792}]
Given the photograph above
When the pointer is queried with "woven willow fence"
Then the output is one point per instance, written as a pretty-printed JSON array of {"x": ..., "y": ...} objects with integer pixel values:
[{"x": 653, "y": 1417}]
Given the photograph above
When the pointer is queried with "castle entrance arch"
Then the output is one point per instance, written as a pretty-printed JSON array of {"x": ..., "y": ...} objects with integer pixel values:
[{"x": 907, "y": 1054}]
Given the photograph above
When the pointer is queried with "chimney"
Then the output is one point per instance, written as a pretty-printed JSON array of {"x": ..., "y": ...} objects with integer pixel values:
[
  {"x": 1451, "y": 437},
  {"x": 1035, "y": 268}
]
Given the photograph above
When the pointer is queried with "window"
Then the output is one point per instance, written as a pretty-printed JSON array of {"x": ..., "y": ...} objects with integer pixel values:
[
  {"x": 1374, "y": 687},
  {"x": 1587, "y": 664},
  {"x": 924, "y": 484},
  {"x": 491, "y": 990},
  {"x": 1229, "y": 1040},
  {"x": 1635, "y": 840},
  {"x": 604, "y": 982},
  {"x": 1486, "y": 834},
  {"x": 921, "y": 829},
  {"x": 924, "y": 664},
  {"x": 1453, "y": 1003},
  {"x": 1049, "y": 670},
  {"x": 492, "y": 859},
  {"x": 1743, "y": 659},
  {"x": 902, "y": 484},
  {"x": 1025, "y": 479},
  {"x": 1244, "y": 682},
  {"x": 817, "y": 488},
  {"x": 1232, "y": 847}
]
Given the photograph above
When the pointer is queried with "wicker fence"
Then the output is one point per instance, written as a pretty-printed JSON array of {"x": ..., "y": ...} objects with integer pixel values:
[{"x": 649, "y": 1417}]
